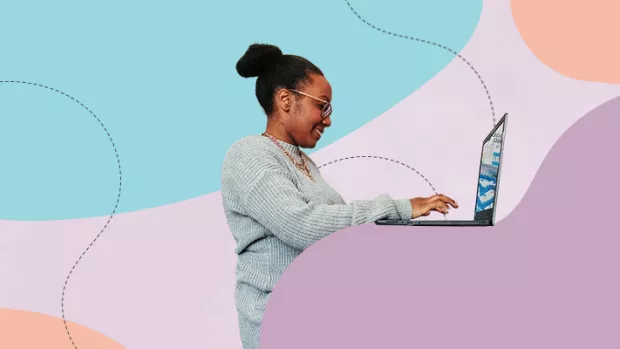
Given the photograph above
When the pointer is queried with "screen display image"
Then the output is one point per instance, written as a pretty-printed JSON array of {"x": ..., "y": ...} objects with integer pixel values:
[{"x": 488, "y": 171}]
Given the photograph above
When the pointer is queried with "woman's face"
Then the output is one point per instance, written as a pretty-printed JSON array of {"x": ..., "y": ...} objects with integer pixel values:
[{"x": 306, "y": 122}]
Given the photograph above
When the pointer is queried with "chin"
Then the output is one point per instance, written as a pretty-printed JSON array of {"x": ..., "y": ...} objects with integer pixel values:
[
  {"x": 308, "y": 142},
  {"x": 311, "y": 144}
]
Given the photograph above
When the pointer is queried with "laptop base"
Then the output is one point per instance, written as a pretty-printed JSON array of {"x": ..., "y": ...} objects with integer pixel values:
[{"x": 484, "y": 223}]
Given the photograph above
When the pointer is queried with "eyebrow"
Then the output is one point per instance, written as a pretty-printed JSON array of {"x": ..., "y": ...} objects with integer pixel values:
[{"x": 324, "y": 97}]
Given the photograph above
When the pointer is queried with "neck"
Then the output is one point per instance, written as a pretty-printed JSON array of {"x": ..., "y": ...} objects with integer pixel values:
[{"x": 276, "y": 129}]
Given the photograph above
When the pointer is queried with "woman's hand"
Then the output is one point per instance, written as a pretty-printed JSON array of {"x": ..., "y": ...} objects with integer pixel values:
[{"x": 424, "y": 206}]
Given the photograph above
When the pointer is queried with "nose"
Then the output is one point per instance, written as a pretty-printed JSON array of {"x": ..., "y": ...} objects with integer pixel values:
[{"x": 327, "y": 121}]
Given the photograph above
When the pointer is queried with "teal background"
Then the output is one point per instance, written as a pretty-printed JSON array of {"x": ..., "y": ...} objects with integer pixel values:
[{"x": 161, "y": 77}]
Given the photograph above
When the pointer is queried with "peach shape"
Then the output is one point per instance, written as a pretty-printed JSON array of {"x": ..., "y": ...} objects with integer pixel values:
[
  {"x": 576, "y": 38},
  {"x": 22, "y": 329}
]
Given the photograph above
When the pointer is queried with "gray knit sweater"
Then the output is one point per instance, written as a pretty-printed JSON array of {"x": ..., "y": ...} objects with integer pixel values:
[{"x": 275, "y": 212}]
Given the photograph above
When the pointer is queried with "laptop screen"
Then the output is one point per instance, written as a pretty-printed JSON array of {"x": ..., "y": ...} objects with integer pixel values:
[{"x": 489, "y": 167}]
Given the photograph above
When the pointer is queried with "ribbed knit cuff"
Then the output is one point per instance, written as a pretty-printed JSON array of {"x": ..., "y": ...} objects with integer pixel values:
[{"x": 404, "y": 208}]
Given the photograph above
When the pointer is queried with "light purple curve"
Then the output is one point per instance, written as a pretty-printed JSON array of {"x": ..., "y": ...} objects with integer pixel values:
[
  {"x": 545, "y": 277},
  {"x": 164, "y": 278}
]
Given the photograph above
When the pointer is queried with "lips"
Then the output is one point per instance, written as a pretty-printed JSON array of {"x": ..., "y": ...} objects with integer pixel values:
[{"x": 318, "y": 132}]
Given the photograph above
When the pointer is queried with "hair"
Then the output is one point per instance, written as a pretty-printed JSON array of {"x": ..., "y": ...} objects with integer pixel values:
[{"x": 274, "y": 70}]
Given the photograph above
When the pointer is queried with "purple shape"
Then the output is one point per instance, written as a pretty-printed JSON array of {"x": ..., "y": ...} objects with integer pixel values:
[{"x": 545, "y": 277}]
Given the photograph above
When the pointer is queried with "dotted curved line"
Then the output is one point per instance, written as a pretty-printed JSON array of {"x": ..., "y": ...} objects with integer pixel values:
[
  {"x": 430, "y": 43},
  {"x": 118, "y": 198},
  {"x": 381, "y": 158},
  {"x": 386, "y": 159}
]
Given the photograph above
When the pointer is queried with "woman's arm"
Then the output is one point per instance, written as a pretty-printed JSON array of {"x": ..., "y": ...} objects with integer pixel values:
[{"x": 273, "y": 200}]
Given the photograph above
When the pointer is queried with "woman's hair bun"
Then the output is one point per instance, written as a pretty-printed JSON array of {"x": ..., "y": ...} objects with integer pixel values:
[{"x": 257, "y": 59}]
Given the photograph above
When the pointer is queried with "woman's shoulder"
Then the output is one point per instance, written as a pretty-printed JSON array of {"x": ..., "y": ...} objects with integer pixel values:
[
  {"x": 250, "y": 148},
  {"x": 251, "y": 144},
  {"x": 247, "y": 158}
]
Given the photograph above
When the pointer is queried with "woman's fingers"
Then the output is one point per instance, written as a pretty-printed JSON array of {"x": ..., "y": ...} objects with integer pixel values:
[
  {"x": 439, "y": 203},
  {"x": 447, "y": 200},
  {"x": 441, "y": 207}
]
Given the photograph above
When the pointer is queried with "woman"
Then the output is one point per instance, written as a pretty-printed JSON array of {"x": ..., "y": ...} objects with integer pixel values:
[{"x": 275, "y": 200}]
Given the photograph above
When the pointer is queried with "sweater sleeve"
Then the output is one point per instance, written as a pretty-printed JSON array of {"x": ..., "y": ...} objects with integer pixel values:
[{"x": 273, "y": 200}]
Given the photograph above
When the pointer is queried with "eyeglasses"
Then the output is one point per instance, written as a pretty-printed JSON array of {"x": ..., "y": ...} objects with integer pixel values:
[{"x": 327, "y": 107}]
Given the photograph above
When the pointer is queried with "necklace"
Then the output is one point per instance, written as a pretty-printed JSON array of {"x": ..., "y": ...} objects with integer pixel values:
[{"x": 302, "y": 166}]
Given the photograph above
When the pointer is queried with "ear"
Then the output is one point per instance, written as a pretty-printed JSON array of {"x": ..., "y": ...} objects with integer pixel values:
[{"x": 284, "y": 100}]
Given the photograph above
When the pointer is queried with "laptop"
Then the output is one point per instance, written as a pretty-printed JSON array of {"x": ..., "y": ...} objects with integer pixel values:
[{"x": 488, "y": 184}]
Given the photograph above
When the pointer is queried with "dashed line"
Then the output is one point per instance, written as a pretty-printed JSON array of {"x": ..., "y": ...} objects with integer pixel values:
[
  {"x": 382, "y": 158},
  {"x": 486, "y": 90},
  {"x": 118, "y": 197}
]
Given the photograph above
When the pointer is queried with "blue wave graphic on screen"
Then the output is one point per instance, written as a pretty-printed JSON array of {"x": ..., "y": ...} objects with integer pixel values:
[{"x": 486, "y": 192}]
